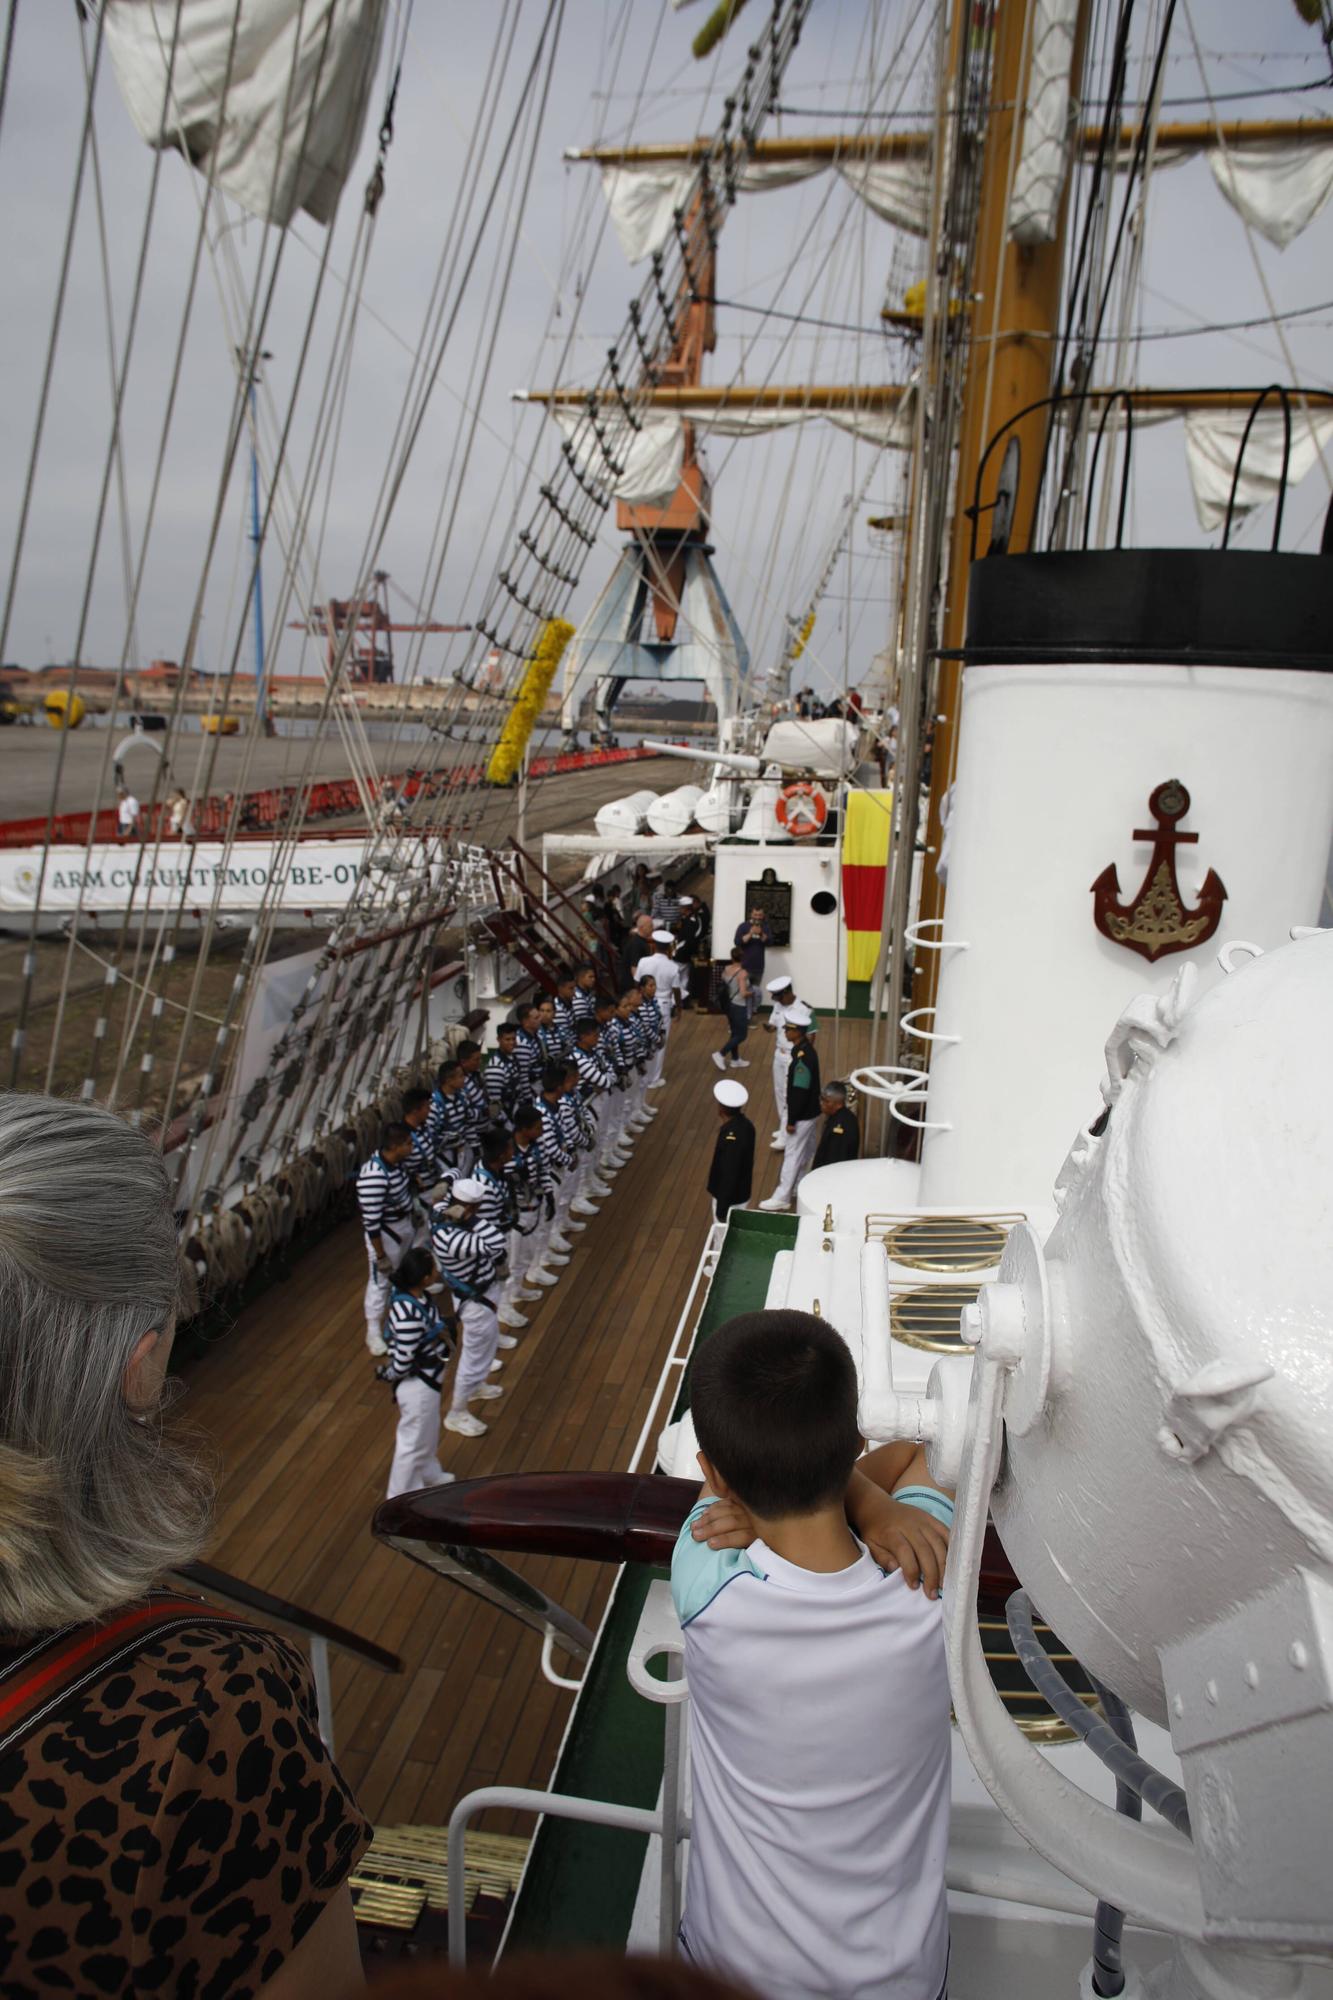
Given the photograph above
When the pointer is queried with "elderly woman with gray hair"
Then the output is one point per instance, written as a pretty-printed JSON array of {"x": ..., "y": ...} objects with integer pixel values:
[{"x": 170, "y": 1821}]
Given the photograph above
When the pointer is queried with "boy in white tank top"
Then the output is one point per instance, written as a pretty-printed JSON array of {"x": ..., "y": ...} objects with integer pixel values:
[{"x": 807, "y": 1585}]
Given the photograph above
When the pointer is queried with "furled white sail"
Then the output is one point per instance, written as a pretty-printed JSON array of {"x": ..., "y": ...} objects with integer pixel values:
[
  {"x": 1048, "y": 123},
  {"x": 274, "y": 113},
  {"x": 650, "y": 458},
  {"x": 643, "y": 195},
  {"x": 1212, "y": 441},
  {"x": 1279, "y": 188}
]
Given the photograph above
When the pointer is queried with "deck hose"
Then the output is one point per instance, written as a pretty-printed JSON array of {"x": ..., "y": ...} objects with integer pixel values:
[{"x": 1112, "y": 1741}]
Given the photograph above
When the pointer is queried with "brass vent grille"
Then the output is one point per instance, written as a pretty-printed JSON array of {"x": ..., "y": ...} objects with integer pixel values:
[
  {"x": 1034, "y": 1717},
  {"x": 928, "y": 1316},
  {"x": 943, "y": 1242},
  {"x": 405, "y": 1872}
]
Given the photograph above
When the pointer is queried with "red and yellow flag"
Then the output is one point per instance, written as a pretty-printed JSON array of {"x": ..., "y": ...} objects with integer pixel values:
[{"x": 865, "y": 855}]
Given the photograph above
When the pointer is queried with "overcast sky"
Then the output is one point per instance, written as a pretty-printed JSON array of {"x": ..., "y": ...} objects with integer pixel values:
[{"x": 623, "y": 68}]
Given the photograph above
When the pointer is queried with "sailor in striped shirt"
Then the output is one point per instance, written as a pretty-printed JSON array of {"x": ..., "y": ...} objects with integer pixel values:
[
  {"x": 384, "y": 1197},
  {"x": 584, "y": 998},
  {"x": 502, "y": 1074},
  {"x": 654, "y": 1020},
  {"x": 532, "y": 1195},
  {"x": 424, "y": 1168},
  {"x": 471, "y": 1259},
  {"x": 528, "y": 1049},
  {"x": 560, "y": 1163},
  {"x": 565, "y": 1018},
  {"x": 419, "y": 1352},
  {"x": 596, "y": 1082},
  {"x": 476, "y": 1111},
  {"x": 633, "y": 1058},
  {"x": 620, "y": 1139},
  {"x": 548, "y": 1031},
  {"x": 578, "y": 1132},
  {"x": 448, "y": 1118}
]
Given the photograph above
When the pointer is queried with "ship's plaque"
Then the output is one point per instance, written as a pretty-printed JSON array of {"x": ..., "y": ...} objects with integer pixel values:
[
  {"x": 1159, "y": 920},
  {"x": 774, "y": 899}
]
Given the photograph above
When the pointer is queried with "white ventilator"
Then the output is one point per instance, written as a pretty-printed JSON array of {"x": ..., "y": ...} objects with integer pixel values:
[{"x": 1151, "y": 1429}]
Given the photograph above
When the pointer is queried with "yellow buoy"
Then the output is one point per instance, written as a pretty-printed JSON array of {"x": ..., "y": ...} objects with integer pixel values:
[
  {"x": 219, "y": 725},
  {"x": 62, "y": 709},
  {"x": 507, "y": 755}
]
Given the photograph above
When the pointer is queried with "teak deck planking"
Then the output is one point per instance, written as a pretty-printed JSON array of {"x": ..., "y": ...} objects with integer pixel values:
[{"x": 304, "y": 1434}]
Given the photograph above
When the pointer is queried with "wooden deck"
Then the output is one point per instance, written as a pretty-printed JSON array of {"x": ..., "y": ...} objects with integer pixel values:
[{"x": 304, "y": 1434}]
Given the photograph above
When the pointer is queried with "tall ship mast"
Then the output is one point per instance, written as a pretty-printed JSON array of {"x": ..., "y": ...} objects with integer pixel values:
[{"x": 1042, "y": 837}]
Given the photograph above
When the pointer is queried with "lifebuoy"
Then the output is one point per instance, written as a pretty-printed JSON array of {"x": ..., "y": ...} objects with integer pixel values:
[{"x": 801, "y": 809}]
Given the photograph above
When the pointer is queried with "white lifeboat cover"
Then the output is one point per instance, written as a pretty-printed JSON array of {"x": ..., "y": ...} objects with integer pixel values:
[
  {"x": 282, "y": 133},
  {"x": 827, "y": 748}
]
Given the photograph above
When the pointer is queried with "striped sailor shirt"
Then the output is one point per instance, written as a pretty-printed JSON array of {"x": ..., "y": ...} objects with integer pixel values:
[
  {"x": 565, "y": 1017},
  {"x": 552, "y": 1042},
  {"x": 496, "y": 1210},
  {"x": 526, "y": 1175},
  {"x": 556, "y": 1157},
  {"x": 447, "y": 1126},
  {"x": 571, "y": 1124},
  {"x": 469, "y": 1255},
  {"x": 595, "y": 1072},
  {"x": 654, "y": 1028},
  {"x": 528, "y": 1054},
  {"x": 414, "y": 1335},
  {"x": 477, "y": 1112},
  {"x": 383, "y": 1194},
  {"x": 584, "y": 1004},
  {"x": 424, "y": 1167},
  {"x": 501, "y": 1079}
]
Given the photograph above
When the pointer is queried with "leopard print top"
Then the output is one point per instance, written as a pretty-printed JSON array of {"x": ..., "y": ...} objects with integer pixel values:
[{"x": 174, "y": 1828}]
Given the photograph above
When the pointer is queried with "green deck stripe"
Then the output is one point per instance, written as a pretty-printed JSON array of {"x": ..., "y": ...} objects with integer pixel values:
[{"x": 581, "y": 1881}]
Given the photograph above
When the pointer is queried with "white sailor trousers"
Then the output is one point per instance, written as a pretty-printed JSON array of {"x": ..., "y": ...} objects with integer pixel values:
[
  {"x": 800, "y": 1151},
  {"x": 481, "y": 1338},
  {"x": 411, "y": 1237},
  {"x": 781, "y": 1065},
  {"x": 416, "y": 1461}
]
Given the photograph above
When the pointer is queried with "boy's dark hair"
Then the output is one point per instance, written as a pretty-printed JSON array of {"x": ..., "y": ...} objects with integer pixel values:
[
  {"x": 413, "y": 1267},
  {"x": 528, "y": 1007},
  {"x": 773, "y": 1397},
  {"x": 493, "y": 1142},
  {"x": 414, "y": 1099},
  {"x": 526, "y": 1115},
  {"x": 553, "y": 1076},
  {"x": 587, "y": 1026},
  {"x": 466, "y": 1049},
  {"x": 395, "y": 1133},
  {"x": 584, "y": 965},
  {"x": 506, "y": 1028},
  {"x": 447, "y": 1068}
]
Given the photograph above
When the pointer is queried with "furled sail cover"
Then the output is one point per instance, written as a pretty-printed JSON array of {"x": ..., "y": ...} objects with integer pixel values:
[
  {"x": 1039, "y": 175},
  {"x": 281, "y": 132},
  {"x": 1279, "y": 189},
  {"x": 643, "y": 195},
  {"x": 650, "y": 458},
  {"x": 1213, "y": 439}
]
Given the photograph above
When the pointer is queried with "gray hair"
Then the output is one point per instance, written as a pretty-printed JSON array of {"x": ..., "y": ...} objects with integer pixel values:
[
  {"x": 838, "y": 1090},
  {"x": 97, "y": 1501}
]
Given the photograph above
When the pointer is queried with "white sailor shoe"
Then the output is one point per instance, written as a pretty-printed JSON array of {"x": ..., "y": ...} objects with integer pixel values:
[
  {"x": 486, "y": 1392},
  {"x": 541, "y": 1276},
  {"x": 508, "y": 1317},
  {"x": 375, "y": 1343},
  {"x": 464, "y": 1424},
  {"x": 582, "y": 1206},
  {"x": 506, "y": 1339},
  {"x": 776, "y": 1204}
]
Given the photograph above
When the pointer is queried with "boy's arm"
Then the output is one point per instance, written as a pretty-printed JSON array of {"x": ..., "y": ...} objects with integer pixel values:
[
  {"x": 899, "y": 1534},
  {"x": 702, "y": 1564}
]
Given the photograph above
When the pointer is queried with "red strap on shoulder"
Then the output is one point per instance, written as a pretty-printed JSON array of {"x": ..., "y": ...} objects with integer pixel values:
[{"x": 38, "y": 1678}]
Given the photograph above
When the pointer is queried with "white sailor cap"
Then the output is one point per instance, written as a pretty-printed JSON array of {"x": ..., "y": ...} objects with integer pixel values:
[
  {"x": 467, "y": 1191},
  {"x": 733, "y": 1095},
  {"x": 663, "y": 937},
  {"x": 777, "y": 985},
  {"x": 799, "y": 1016},
  {"x": 685, "y": 901}
]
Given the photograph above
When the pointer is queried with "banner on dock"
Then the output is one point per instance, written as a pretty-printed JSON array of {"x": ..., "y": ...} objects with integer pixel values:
[{"x": 186, "y": 875}]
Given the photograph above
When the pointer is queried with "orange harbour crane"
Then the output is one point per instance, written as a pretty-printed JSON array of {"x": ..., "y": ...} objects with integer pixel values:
[{"x": 370, "y": 655}]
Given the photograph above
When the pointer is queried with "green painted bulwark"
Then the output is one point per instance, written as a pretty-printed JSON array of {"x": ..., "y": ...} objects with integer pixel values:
[{"x": 581, "y": 1881}]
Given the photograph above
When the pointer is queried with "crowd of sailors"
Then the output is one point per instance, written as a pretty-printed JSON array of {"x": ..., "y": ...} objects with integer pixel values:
[{"x": 477, "y": 1192}]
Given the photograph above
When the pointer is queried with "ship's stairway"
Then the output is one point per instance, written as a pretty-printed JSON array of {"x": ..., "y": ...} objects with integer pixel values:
[{"x": 400, "y": 1889}]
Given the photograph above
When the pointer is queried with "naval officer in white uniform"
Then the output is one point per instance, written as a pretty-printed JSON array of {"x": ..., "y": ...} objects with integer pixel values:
[
  {"x": 672, "y": 979},
  {"x": 781, "y": 998}
]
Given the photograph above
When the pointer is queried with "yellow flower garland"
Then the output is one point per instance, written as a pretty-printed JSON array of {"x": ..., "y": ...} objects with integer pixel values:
[{"x": 507, "y": 756}]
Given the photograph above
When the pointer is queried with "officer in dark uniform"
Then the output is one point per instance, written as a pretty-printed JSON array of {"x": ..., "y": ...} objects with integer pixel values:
[
  {"x": 841, "y": 1136},
  {"x": 731, "y": 1176}
]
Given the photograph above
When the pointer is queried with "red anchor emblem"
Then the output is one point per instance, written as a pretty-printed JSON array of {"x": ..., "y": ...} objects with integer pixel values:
[{"x": 1157, "y": 921}]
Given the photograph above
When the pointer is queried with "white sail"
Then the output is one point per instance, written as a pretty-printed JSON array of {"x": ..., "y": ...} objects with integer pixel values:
[{"x": 274, "y": 115}]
